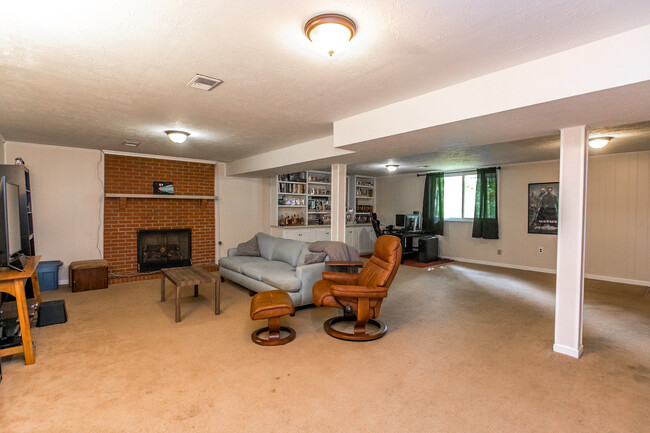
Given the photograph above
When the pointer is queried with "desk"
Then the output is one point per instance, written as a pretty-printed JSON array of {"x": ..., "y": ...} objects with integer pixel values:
[
  {"x": 13, "y": 282},
  {"x": 406, "y": 238}
]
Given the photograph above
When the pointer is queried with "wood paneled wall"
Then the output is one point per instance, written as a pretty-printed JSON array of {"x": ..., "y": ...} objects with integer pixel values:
[{"x": 618, "y": 213}]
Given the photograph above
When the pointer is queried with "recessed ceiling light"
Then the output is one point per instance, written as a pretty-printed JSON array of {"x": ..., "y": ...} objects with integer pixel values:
[
  {"x": 599, "y": 142},
  {"x": 130, "y": 143},
  {"x": 177, "y": 136},
  {"x": 330, "y": 32},
  {"x": 391, "y": 167},
  {"x": 203, "y": 82}
]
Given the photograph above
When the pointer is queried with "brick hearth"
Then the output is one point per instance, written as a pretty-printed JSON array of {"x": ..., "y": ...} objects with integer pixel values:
[{"x": 133, "y": 175}]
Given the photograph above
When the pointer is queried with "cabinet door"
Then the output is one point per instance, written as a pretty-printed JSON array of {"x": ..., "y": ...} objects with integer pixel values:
[
  {"x": 291, "y": 234},
  {"x": 301, "y": 235},
  {"x": 312, "y": 235},
  {"x": 366, "y": 240},
  {"x": 326, "y": 235},
  {"x": 352, "y": 236}
]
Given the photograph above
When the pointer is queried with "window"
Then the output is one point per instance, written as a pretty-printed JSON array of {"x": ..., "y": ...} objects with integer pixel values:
[{"x": 460, "y": 196}]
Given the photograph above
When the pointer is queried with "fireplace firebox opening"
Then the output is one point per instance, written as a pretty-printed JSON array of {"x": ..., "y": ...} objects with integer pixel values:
[{"x": 159, "y": 249}]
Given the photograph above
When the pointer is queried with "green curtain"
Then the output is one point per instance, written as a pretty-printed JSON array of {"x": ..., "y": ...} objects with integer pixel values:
[
  {"x": 433, "y": 209},
  {"x": 486, "y": 225}
]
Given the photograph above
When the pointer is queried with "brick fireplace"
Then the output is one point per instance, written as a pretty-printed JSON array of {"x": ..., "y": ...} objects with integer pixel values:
[{"x": 124, "y": 217}]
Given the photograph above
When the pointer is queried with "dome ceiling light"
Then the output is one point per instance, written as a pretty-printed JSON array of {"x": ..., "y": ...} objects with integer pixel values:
[
  {"x": 391, "y": 167},
  {"x": 330, "y": 32},
  {"x": 599, "y": 142},
  {"x": 177, "y": 136}
]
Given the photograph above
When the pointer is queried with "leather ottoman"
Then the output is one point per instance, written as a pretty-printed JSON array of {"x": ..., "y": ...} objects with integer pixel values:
[{"x": 272, "y": 305}]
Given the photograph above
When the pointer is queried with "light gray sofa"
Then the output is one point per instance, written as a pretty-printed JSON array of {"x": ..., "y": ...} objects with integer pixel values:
[{"x": 279, "y": 266}]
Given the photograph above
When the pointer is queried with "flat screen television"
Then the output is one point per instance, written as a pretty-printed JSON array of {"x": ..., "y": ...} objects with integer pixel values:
[
  {"x": 400, "y": 220},
  {"x": 11, "y": 253}
]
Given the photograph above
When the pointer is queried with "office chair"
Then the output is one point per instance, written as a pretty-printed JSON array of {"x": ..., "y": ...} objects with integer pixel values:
[
  {"x": 360, "y": 295},
  {"x": 375, "y": 225}
]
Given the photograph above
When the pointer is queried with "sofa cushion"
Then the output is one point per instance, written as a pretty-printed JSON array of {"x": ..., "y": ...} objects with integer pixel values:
[
  {"x": 285, "y": 280},
  {"x": 266, "y": 244},
  {"x": 256, "y": 270},
  {"x": 288, "y": 251},
  {"x": 235, "y": 263}
]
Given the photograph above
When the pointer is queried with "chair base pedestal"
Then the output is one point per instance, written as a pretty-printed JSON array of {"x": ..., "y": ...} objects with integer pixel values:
[
  {"x": 381, "y": 329},
  {"x": 274, "y": 336}
]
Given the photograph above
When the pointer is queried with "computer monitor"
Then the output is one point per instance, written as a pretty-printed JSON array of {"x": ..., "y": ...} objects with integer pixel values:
[
  {"x": 400, "y": 220},
  {"x": 411, "y": 222}
]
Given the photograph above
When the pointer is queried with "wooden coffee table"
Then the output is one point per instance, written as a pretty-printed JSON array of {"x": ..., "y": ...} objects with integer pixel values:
[{"x": 189, "y": 276}]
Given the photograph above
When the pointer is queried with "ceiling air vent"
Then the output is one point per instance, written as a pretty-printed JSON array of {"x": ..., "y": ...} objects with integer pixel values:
[{"x": 204, "y": 82}]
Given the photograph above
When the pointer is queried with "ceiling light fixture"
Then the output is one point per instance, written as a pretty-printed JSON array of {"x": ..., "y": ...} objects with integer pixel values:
[
  {"x": 330, "y": 32},
  {"x": 131, "y": 143},
  {"x": 599, "y": 142},
  {"x": 391, "y": 167},
  {"x": 177, "y": 136}
]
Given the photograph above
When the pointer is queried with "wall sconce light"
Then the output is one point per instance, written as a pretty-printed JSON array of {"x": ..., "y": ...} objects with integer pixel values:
[
  {"x": 177, "y": 136},
  {"x": 330, "y": 32},
  {"x": 391, "y": 167},
  {"x": 599, "y": 142}
]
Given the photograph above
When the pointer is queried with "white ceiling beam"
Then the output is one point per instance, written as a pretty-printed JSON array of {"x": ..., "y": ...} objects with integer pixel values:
[{"x": 605, "y": 64}]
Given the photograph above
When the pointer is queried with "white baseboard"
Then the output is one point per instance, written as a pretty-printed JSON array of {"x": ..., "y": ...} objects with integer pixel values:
[
  {"x": 502, "y": 265},
  {"x": 552, "y": 271},
  {"x": 618, "y": 280},
  {"x": 566, "y": 350}
]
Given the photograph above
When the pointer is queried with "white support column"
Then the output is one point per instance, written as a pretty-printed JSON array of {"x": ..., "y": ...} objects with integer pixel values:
[
  {"x": 569, "y": 286},
  {"x": 339, "y": 172}
]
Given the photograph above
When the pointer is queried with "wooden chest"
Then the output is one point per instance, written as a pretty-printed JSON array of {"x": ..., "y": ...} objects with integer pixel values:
[{"x": 88, "y": 275}]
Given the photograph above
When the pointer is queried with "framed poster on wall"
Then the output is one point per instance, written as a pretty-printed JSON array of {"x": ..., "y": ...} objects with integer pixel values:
[{"x": 543, "y": 207}]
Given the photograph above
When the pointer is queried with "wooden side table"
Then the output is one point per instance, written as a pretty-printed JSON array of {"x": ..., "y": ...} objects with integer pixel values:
[
  {"x": 13, "y": 282},
  {"x": 351, "y": 267},
  {"x": 189, "y": 276}
]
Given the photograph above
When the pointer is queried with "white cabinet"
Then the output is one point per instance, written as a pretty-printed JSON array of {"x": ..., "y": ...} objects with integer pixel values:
[
  {"x": 366, "y": 238},
  {"x": 306, "y": 234},
  {"x": 360, "y": 237}
]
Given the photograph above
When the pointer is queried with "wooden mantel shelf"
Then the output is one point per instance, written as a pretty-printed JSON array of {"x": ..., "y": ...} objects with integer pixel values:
[{"x": 204, "y": 198}]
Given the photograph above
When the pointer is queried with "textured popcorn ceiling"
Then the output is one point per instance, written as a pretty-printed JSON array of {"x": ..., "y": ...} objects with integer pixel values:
[{"x": 94, "y": 74}]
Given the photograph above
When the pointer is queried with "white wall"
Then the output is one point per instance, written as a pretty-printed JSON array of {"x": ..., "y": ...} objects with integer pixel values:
[
  {"x": 618, "y": 211},
  {"x": 67, "y": 200},
  {"x": 243, "y": 209}
]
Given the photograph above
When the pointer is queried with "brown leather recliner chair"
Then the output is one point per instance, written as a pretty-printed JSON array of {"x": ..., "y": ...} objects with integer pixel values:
[{"x": 360, "y": 295}]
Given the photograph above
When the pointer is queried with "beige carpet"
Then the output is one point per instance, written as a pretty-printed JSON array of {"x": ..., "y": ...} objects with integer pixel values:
[{"x": 469, "y": 349}]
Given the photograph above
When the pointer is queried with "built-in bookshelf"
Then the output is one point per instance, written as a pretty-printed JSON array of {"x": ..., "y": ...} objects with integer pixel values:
[
  {"x": 305, "y": 199},
  {"x": 292, "y": 199},
  {"x": 364, "y": 199},
  {"x": 319, "y": 198}
]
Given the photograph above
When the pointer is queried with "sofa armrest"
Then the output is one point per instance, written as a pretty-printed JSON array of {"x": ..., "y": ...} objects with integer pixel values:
[
  {"x": 309, "y": 275},
  {"x": 232, "y": 252}
]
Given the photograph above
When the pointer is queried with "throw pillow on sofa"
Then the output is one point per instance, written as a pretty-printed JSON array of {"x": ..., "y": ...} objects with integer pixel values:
[{"x": 249, "y": 248}]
